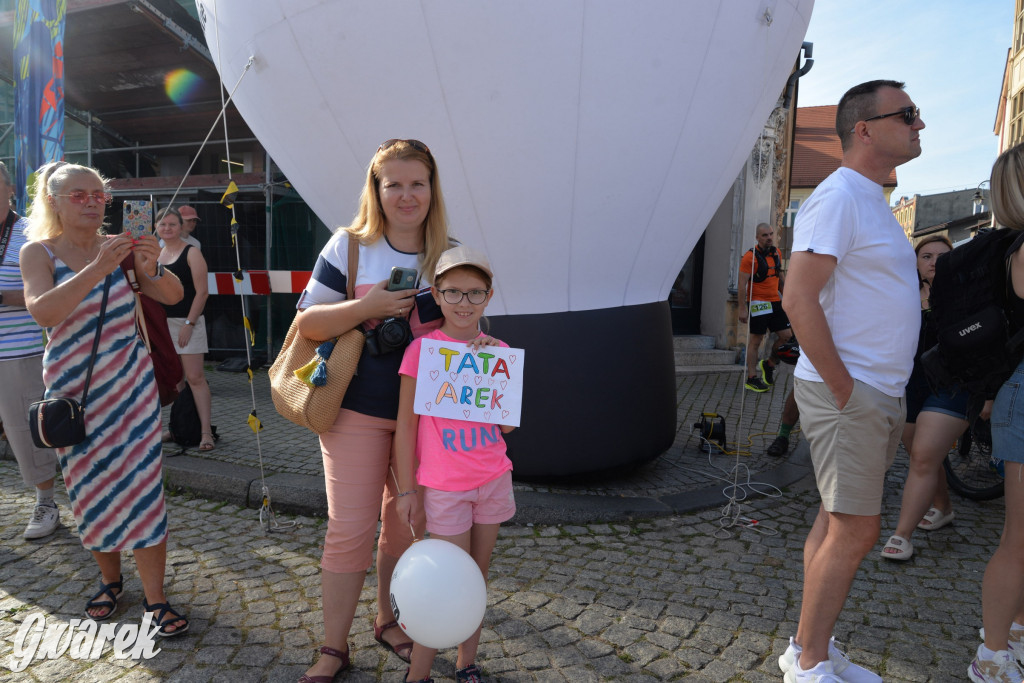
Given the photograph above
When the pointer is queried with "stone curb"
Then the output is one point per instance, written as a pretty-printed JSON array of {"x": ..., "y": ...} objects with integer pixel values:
[{"x": 305, "y": 495}]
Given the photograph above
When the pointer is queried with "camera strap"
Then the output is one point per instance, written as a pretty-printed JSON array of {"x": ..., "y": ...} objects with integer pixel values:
[{"x": 5, "y": 237}]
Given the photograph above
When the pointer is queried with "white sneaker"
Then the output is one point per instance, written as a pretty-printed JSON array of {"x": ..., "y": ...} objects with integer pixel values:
[
  {"x": 841, "y": 666},
  {"x": 1015, "y": 641},
  {"x": 1001, "y": 668},
  {"x": 45, "y": 520},
  {"x": 821, "y": 673}
]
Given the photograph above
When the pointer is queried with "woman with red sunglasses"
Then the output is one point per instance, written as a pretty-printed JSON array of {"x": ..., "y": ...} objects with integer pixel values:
[{"x": 72, "y": 274}]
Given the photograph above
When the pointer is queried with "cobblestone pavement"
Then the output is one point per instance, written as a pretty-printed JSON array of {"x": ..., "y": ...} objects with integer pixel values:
[
  {"x": 286, "y": 447},
  {"x": 672, "y": 598}
]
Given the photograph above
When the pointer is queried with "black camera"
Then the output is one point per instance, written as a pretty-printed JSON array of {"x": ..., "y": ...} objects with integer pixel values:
[{"x": 393, "y": 334}]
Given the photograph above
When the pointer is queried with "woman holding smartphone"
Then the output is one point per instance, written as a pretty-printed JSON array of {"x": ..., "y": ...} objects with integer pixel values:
[
  {"x": 115, "y": 476},
  {"x": 401, "y": 223},
  {"x": 185, "y": 319}
]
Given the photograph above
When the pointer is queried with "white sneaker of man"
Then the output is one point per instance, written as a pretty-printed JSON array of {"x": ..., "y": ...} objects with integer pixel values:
[
  {"x": 842, "y": 667},
  {"x": 45, "y": 520}
]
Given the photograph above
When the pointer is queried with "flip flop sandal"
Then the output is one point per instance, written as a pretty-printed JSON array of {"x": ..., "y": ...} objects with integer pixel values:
[
  {"x": 898, "y": 548},
  {"x": 106, "y": 590},
  {"x": 162, "y": 609},
  {"x": 934, "y": 519},
  {"x": 403, "y": 650}
]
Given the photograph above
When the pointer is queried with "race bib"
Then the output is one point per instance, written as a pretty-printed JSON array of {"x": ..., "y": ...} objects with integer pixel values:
[{"x": 760, "y": 307}]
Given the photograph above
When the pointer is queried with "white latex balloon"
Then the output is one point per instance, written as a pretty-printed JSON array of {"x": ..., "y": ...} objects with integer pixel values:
[
  {"x": 583, "y": 145},
  {"x": 438, "y": 594}
]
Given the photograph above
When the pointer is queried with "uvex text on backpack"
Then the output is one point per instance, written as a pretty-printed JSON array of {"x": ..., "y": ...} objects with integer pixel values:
[{"x": 980, "y": 343}]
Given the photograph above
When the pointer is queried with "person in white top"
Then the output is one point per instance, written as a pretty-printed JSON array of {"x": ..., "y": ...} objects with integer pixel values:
[{"x": 852, "y": 298}]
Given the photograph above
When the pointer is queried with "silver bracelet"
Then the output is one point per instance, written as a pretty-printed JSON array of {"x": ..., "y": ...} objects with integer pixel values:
[{"x": 405, "y": 493}]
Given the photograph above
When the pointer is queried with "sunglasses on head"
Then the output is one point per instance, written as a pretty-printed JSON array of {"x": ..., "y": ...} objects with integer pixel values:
[
  {"x": 415, "y": 144},
  {"x": 909, "y": 115},
  {"x": 81, "y": 197}
]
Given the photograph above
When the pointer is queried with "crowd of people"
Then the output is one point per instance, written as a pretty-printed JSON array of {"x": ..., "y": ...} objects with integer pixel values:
[{"x": 857, "y": 394}]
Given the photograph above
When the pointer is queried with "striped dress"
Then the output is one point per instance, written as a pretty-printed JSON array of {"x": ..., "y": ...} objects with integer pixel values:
[{"x": 115, "y": 477}]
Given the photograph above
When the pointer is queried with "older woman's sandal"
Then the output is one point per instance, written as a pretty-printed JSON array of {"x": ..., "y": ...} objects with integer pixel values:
[
  {"x": 108, "y": 601},
  {"x": 162, "y": 609},
  {"x": 403, "y": 650}
]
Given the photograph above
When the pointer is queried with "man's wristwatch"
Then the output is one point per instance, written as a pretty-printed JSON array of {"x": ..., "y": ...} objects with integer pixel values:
[
  {"x": 159, "y": 272},
  {"x": 189, "y": 322}
]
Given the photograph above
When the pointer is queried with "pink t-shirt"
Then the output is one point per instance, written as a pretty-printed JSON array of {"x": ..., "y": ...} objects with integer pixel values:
[{"x": 454, "y": 455}]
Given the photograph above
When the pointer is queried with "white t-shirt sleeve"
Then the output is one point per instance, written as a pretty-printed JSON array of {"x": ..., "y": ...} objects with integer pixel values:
[{"x": 825, "y": 223}]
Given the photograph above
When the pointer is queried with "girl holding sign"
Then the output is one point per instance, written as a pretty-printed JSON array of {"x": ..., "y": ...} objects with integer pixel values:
[{"x": 460, "y": 466}]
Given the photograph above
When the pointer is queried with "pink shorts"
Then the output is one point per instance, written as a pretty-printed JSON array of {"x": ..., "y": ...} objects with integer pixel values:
[{"x": 450, "y": 513}]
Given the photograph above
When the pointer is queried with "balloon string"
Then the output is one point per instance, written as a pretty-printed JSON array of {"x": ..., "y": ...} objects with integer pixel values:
[{"x": 399, "y": 490}]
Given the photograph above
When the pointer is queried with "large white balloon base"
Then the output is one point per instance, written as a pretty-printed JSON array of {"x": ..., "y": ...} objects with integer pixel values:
[
  {"x": 600, "y": 395},
  {"x": 438, "y": 594}
]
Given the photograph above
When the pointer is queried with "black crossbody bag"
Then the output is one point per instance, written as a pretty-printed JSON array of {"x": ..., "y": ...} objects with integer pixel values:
[{"x": 60, "y": 422}]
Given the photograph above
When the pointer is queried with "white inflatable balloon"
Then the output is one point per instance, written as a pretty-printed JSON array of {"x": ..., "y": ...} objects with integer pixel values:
[
  {"x": 584, "y": 145},
  {"x": 438, "y": 594}
]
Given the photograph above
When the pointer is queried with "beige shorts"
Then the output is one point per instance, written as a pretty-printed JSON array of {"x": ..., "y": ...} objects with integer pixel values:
[
  {"x": 197, "y": 344},
  {"x": 853, "y": 448}
]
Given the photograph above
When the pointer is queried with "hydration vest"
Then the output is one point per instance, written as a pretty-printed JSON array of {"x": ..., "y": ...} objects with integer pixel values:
[{"x": 761, "y": 273}]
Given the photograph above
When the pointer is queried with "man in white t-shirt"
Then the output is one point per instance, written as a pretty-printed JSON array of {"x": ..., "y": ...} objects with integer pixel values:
[{"x": 852, "y": 298}]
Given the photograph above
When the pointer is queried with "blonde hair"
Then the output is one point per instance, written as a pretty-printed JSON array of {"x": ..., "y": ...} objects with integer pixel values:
[
  {"x": 1007, "y": 188},
  {"x": 43, "y": 219},
  {"x": 368, "y": 225}
]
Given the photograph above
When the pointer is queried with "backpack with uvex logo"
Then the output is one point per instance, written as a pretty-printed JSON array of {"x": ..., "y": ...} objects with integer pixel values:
[
  {"x": 761, "y": 271},
  {"x": 980, "y": 341}
]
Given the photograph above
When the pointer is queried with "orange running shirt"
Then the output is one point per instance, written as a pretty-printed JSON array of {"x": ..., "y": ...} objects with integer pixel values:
[{"x": 767, "y": 289}]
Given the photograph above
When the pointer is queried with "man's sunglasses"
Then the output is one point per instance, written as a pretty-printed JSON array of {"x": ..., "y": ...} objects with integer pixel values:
[
  {"x": 909, "y": 115},
  {"x": 415, "y": 144}
]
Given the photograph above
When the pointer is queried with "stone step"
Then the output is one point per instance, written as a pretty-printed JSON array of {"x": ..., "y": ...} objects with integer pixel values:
[
  {"x": 686, "y": 370},
  {"x": 705, "y": 357},
  {"x": 690, "y": 342}
]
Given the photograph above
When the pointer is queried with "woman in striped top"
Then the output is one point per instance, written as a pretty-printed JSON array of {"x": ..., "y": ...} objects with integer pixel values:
[{"x": 21, "y": 352}]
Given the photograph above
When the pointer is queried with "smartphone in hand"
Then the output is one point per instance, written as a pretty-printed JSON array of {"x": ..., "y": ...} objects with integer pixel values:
[
  {"x": 138, "y": 218},
  {"x": 401, "y": 278}
]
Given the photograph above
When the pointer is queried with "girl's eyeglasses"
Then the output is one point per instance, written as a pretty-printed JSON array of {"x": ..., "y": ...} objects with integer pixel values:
[
  {"x": 81, "y": 197},
  {"x": 454, "y": 296}
]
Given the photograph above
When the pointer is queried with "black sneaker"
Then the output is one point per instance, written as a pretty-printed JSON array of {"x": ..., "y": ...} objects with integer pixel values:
[
  {"x": 757, "y": 384},
  {"x": 779, "y": 447},
  {"x": 767, "y": 372}
]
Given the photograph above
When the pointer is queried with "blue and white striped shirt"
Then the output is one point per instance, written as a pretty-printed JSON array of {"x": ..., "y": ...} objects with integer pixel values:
[{"x": 20, "y": 337}]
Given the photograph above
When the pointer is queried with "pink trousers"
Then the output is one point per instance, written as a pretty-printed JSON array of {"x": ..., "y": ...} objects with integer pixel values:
[{"x": 358, "y": 457}]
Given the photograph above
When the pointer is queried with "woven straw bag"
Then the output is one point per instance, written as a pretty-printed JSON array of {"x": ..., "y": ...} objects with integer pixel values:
[
  {"x": 316, "y": 407},
  {"x": 313, "y": 407}
]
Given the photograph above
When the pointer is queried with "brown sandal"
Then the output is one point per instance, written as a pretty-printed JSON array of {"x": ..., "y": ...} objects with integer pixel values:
[
  {"x": 208, "y": 442},
  {"x": 403, "y": 650},
  {"x": 343, "y": 656}
]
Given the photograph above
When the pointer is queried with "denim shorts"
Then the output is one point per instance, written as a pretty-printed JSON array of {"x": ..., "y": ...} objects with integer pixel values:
[
  {"x": 921, "y": 399},
  {"x": 1008, "y": 419}
]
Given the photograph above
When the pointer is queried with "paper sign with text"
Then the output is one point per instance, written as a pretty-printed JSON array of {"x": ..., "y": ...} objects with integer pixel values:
[{"x": 459, "y": 383}]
